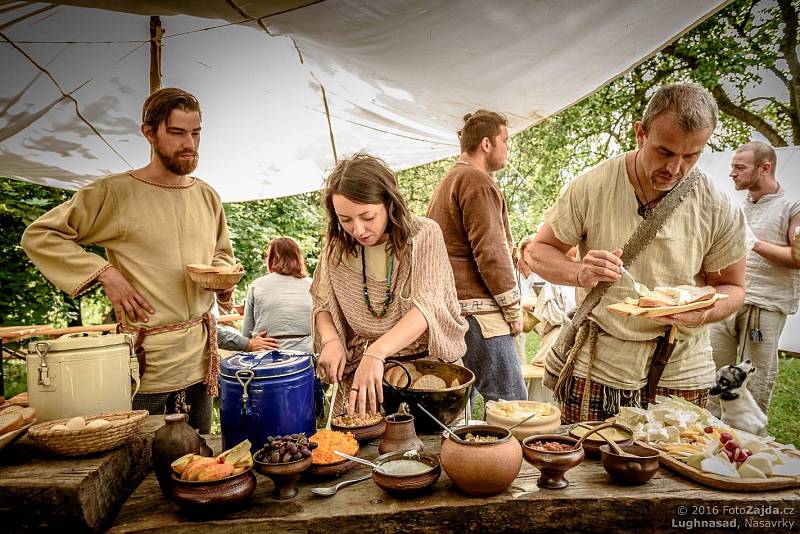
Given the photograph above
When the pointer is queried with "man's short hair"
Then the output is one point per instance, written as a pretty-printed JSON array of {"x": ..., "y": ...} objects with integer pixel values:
[
  {"x": 159, "y": 105},
  {"x": 761, "y": 152},
  {"x": 478, "y": 125},
  {"x": 694, "y": 107}
]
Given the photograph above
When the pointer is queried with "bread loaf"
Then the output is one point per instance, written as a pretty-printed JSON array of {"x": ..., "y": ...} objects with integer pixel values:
[
  {"x": 10, "y": 422},
  {"x": 28, "y": 414},
  {"x": 429, "y": 382},
  {"x": 676, "y": 296}
]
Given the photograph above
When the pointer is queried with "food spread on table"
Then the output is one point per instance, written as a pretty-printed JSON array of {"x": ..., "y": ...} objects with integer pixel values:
[
  {"x": 694, "y": 436},
  {"x": 195, "y": 468}
]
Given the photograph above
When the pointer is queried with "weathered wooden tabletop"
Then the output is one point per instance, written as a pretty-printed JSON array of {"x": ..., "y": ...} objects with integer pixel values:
[
  {"x": 590, "y": 504},
  {"x": 43, "y": 491}
]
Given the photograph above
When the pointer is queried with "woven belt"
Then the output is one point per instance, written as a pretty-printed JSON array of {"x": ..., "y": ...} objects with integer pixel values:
[{"x": 210, "y": 379}]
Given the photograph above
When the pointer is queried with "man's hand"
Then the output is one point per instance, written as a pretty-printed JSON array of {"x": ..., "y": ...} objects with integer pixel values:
[
  {"x": 516, "y": 326},
  {"x": 261, "y": 342},
  {"x": 124, "y": 298},
  {"x": 690, "y": 319},
  {"x": 599, "y": 266}
]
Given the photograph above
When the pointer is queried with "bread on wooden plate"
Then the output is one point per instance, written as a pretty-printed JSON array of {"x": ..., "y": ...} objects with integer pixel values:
[
  {"x": 676, "y": 296},
  {"x": 10, "y": 422}
]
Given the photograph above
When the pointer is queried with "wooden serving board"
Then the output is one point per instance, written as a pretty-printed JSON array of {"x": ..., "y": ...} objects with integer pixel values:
[
  {"x": 725, "y": 483},
  {"x": 626, "y": 310}
]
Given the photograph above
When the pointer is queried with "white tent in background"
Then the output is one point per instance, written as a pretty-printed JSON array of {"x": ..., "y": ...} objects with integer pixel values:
[{"x": 398, "y": 75}]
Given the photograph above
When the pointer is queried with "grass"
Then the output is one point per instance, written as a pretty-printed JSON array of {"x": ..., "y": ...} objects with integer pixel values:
[{"x": 784, "y": 413}]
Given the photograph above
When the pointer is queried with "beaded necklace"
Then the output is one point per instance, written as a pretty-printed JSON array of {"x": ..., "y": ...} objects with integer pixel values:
[{"x": 389, "y": 298}]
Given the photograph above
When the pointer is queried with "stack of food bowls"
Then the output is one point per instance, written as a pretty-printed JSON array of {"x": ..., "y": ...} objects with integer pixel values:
[
  {"x": 485, "y": 461},
  {"x": 508, "y": 413}
]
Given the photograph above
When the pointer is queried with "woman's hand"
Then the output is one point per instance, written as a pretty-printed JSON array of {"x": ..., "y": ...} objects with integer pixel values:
[
  {"x": 330, "y": 366},
  {"x": 366, "y": 392}
]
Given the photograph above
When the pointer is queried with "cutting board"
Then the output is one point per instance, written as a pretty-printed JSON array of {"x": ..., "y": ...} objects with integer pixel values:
[
  {"x": 627, "y": 310},
  {"x": 726, "y": 483}
]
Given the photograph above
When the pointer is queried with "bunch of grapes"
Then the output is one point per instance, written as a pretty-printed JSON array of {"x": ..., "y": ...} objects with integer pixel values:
[{"x": 288, "y": 448}]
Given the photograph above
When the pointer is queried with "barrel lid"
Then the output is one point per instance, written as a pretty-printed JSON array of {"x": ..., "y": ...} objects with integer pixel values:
[
  {"x": 267, "y": 364},
  {"x": 78, "y": 342}
]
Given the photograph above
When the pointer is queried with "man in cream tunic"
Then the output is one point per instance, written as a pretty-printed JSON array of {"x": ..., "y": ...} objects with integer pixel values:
[
  {"x": 702, "y": 243},
  {"x": 152, "y": 222}
]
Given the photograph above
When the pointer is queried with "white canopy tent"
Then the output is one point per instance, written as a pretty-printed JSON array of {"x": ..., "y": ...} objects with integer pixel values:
[
  {"x": 398, "y": 76},
  {"x": 717, "y": 166}
]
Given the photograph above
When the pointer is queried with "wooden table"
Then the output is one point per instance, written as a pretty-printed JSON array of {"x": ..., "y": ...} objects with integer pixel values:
[
  {"x": 590, "y": 504},
  {"x": 42, "y": 491}
]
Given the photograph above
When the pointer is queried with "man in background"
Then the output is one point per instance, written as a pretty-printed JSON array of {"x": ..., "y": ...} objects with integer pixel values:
[
  {"x": 473, "y": 215},
  {"x": 773, "y": 275}
]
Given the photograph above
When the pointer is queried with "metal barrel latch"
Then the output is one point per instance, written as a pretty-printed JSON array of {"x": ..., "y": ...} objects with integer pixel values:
[{"x": 244, "y": 377}]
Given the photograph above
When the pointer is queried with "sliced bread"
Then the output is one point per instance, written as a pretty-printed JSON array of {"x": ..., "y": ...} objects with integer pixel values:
[{"x": 10, "y": 422}]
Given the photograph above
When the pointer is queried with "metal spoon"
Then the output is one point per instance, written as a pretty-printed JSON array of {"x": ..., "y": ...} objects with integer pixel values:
[
  {"x": 641, "y": 289},
  {"x": 515, "y": 425},
  {"x": 450, "y": 433},
  {"x": 331, "y": 490},
  {"x": 358, "y": 460}
]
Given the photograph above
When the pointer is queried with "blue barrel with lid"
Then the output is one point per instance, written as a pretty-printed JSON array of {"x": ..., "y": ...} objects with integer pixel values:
[{"x": 266, "y": 394}]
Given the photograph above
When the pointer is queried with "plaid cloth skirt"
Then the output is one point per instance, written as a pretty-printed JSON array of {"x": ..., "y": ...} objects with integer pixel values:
[{"x": 571, "y": 407}]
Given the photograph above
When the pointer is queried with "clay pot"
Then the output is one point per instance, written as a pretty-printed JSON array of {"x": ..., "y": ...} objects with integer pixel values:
[
  {"x": 482, "y": 468},
  {"x": 284, "y": 476},
  {"x": 173, "y": 440},
  {"x": 213, "y": 496},
  {"x": 407, "y": 484},
  {"x": 399, "y": 434},
  {"x": 627, "y": 470},
  {"x": 552, "y": 464}
]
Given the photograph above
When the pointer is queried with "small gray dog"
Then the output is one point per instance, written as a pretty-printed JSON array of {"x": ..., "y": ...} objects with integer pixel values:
[{"x": 739, "y": 409}]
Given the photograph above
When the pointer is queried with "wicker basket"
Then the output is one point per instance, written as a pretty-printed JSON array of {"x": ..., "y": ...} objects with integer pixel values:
[
  {"x": 214, "y": 278},
  {"x": 89, "y": 440}
]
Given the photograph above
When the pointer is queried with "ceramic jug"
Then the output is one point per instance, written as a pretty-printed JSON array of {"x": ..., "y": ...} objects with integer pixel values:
[
  {"x": 173, "y": 440},
  {"x": 400, "y": 434}
]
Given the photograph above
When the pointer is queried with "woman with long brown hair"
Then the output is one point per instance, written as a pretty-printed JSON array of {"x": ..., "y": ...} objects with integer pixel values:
[
  {"x": 278, "y": 304},
  {"x": 383, "y": 286}
]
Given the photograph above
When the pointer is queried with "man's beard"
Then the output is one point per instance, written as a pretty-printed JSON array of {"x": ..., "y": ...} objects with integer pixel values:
[{"x": 174, "y": 164}]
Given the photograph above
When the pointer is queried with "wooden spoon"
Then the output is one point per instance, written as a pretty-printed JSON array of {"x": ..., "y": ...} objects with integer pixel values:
[{"x": 611, "y": 442}]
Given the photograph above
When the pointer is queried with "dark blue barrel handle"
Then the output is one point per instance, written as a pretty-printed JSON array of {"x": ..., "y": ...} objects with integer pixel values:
[{"x": 249, "y": 374}]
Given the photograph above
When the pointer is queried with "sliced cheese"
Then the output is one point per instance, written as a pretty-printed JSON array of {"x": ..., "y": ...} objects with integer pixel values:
[
  {"x": 748, "y": 471},
  {"x": 718, "y": 466},
  {"x": 789, "y": 468},
  {"x": 761, "y": 462}
]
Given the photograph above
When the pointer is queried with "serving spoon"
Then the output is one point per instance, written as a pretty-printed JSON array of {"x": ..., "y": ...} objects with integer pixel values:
[
  {"x": 331, "y": 490},
  {"x": 450, "y": 433},
  {"x": 358, "y": 460}
]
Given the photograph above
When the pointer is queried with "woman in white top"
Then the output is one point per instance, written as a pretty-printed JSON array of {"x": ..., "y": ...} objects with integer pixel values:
[{"x": 279, "y": 303}]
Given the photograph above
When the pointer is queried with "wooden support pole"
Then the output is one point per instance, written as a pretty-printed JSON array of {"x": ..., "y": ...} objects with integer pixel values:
[{"x": 156, "y": 31}]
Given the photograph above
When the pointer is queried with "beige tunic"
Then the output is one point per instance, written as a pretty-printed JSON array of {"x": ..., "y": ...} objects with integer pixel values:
[
  {"x": 150, "y": 232},
  {"x": 426, "y": 281},
  {"x": 705, "y": 234}
]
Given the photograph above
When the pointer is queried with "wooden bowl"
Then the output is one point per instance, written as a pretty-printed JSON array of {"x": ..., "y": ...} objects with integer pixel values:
[
  {"x": 537, "y": 425},
  {"x": 407, "y": 484},
  {"x": 334, "y": 469},
  {"x": 593, "y": 443},
  {"x": 363, "y": 434},
  {"x": 214, "y": 495},
  {"x": 627, "y": 470},
  {"x": 552, "y": 464},
  {"x": 284, "y": 475},
  {"x": 214, "y": 278}
]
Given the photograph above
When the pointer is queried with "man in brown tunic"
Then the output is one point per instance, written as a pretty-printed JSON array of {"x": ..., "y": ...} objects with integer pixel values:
[
  {"x": 472, "y": 213},
  {"x": 151, "y": 222}
]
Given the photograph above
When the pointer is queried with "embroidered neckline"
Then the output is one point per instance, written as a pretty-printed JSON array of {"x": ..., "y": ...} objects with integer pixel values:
[{"x": 163, "y": 186}]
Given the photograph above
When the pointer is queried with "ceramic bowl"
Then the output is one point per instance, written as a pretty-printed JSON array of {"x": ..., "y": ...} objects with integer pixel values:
[
  {"x": 284, "y": 475},
  {"x": 407, "y": 484},
  {"x": 363, "y": 434},
  {"x": 213, "y": 495},
  {"x": 537, "y": 425},
  {"x": 626, "y": 470},
  {"x": 552, "y": 465},
  {"x": 482, "y": 468},
  {"x": 445, "y": 404},
  {"x": 333, "y": 469},
  {"x": 593, "y": 443}
]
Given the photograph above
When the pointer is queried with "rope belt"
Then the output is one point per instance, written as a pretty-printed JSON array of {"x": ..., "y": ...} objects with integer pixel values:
[{"x": 210, "y": 379}]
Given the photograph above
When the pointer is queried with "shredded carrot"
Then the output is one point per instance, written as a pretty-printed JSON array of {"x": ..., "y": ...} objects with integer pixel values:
[{"x": 329, "y": 441}]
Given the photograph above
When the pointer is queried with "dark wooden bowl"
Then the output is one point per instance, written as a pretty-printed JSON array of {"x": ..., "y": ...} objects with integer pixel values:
[
  {"x": 407, "y": 484},
  {"x": 284, "y": 475},
  {"x": 363, "y": 434},
  {"x": 214, "y": 495},
  {"x": 552, "y": 465},
  {"x": 626, "y": 470},
  {"x": 593, "y": 443}
]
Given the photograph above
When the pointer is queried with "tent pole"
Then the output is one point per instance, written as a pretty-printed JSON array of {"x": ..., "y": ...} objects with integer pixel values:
[
  {"x": 330, "y": 126},
  {"x": 156, "y": 31}
]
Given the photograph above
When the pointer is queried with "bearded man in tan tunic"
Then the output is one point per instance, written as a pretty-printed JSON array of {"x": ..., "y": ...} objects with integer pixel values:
[
  {"x": 151, "y": 222},
  {"x": 701, "y": 243}
]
